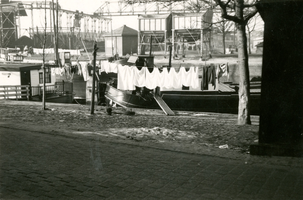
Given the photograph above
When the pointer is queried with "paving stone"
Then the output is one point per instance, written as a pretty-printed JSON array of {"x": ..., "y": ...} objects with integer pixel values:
[
  {"x": 40, "y": 164},
  {"x": 132, "y": 189},
  {"x": 140, "y": 194}
]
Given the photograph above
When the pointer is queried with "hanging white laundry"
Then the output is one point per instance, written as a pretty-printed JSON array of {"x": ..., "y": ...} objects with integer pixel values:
[
  {"x": 79, "y": 69},
  {"x": 113, "y": 68},
  {"x": 125, "y": 78},
  {"x": 102, "y": 63},
  {"x": 176, "y": 80},
  {"x": 121, "y": 77},
  {"x": 53, "y": 71},
  {"x": 62, "y": 71},
  {"x": 84, "y": 72},
  {"x": 194, "y": 77},
  {"x": 131, "y": 78},
  {"x": 222, "y": 70},
  {"x": 67, "y": 67},
  {"x": 152, "y": 79},
  {"x": 105, "y": 66},
  {"x": 58, "y": 71},
  {"x": 165, "y": 81},
  {"x": 171, "y": 79},
  {"x": 185, "y": 76},
  {"x": 139, "y": 76}
]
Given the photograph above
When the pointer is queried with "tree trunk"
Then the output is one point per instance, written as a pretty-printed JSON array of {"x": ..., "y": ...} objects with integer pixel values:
[
  {"x": 249, "y": 45},
  {"x": 223, "y": 37},
  {"x": 244, "y": 84},
  {"x": 224, "y": 48}
]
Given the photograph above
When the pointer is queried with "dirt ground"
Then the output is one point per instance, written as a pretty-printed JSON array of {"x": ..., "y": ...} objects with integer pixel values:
[
  {"x": 212, "y": 134},
  {"x": 205, "y": 129}
]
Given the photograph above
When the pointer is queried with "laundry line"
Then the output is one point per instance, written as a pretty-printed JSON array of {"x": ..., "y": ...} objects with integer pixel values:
[{"x": 130, "y": 77}]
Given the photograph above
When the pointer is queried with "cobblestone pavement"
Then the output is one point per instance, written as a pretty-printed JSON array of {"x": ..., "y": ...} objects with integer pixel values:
[
  {"x": 39, "y": 162},
  {"x": 42, "y": 166}
]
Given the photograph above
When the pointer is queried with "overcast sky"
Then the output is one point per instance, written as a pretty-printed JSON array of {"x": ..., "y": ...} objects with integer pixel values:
[
  {"x": 90, "y": 6},
  {"x": 87, "y": 6}
]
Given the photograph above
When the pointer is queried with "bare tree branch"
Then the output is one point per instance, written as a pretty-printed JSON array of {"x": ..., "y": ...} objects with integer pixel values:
[
  {"x": 250, "y": 15},
  {"x": 224, "y": 13},
  {"x": 249, "y": 5}
]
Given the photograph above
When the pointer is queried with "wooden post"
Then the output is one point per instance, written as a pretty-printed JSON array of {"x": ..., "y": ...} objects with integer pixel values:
[
  {"x": 27, "y": 92},
  {"x": 139, "y": 36},
  {"x": 170, "y": 55},
  {"x": 183, "y": 52},
  {"x": 63, "y": 86},
  {"x": 94, "y": 79},
  {"x": 16, "y": 90},
  {"x": 201, "y": 43},
  {"x": 165, "y": 45},
  {"x": 112, "y": 39},
  {"x": 173, "y": 42},
  {"x": 150, "y": 45},
  {"x": 6, "y": 96},
  {"x": 43, "y": 91}
]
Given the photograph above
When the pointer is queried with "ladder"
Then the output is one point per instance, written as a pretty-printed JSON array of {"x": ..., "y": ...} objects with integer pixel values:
[{"x": 163, "y": 105}]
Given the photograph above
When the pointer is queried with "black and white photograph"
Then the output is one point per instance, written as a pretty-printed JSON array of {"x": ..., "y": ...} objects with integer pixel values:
[{"x": 151, "y": 99}]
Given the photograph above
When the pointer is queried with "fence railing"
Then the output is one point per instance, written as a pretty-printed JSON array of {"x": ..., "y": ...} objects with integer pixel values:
[
  {"x": 15, "y": 92},
  {"x": 22, "y": 92},
  {"x": 58, "y": 88}
]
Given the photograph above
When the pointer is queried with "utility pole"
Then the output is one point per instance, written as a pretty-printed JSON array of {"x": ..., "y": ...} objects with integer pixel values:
[{"x": 94, "y": 80}]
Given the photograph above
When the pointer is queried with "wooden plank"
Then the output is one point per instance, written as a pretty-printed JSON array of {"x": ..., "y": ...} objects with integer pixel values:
[
  {"x": 163, "y": 105},
  {"x": 14, "y": 90},
  {"x": 224, "y": 87},
  {"x": 5, "y": 86},
  {"x": 11, "y": 95}
]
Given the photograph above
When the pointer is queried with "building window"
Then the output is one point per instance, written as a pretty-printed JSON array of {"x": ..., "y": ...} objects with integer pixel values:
[{"x": 47, "y": 77}]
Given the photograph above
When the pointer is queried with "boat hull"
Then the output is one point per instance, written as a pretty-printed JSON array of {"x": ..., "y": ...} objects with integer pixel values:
[
  {"x": 200, "y": 101},
  {"x": 204, "y": 101},
  {"x": 67, "y": 98},
  {"x": 125, "y": 99}
]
